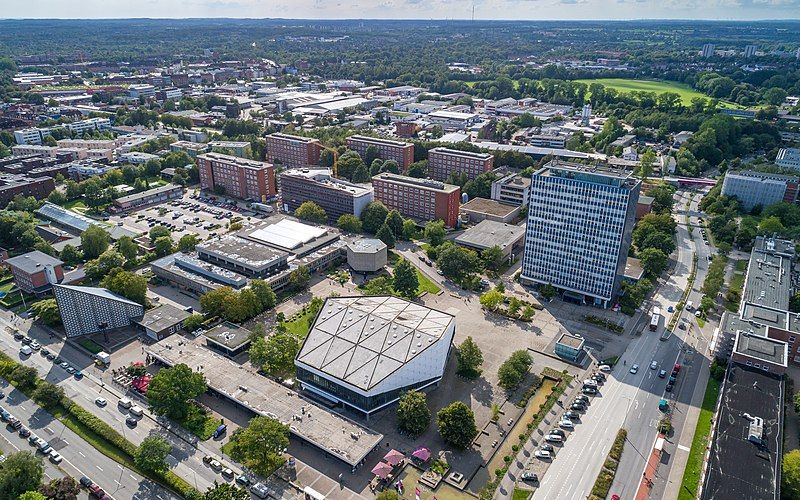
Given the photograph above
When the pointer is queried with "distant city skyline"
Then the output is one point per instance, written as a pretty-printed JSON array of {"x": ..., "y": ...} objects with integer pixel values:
[{"x": 409, "y": 9}]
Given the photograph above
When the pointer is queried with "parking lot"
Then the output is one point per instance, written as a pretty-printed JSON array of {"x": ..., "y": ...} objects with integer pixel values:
[{"x": 191, "y": 214}]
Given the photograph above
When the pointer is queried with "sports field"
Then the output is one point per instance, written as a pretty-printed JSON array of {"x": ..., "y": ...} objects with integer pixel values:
[{"x": 657, "y": 86}]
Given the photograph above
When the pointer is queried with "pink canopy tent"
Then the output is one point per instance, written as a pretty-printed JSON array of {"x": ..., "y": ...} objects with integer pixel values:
[
  {"x": 422, "y": 453},
  {"x": 382, "y": 470},
  {"x": 394, "y": 457}
]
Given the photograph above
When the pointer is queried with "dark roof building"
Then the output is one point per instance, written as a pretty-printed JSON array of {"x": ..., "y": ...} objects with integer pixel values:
[
  {"x": 85, "y": 309},
  {"x": 163, "y": 321},
  {"x": 228, "y": 339},
  {"x": 36, "y": 272}
]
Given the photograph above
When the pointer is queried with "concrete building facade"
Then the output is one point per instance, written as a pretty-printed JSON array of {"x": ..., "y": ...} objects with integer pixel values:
[
  {"x": 444, "y": 161},
  {"x": 335, "y": 196},
  {"x": 401, "y": 152},
  {"x": 760, "y": 188},
  {"x": 238, "y": 177},
  {"x": 293, "y": 150},
  {"x": 86, "y": 310},
  {"x": 420, "y": 199}
]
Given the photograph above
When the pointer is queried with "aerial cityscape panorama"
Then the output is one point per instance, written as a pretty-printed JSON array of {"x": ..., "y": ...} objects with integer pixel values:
[{"x": 443, "y": 250}]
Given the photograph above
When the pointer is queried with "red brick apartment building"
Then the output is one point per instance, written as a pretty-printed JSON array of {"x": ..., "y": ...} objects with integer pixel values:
[
  {"x": 420, "y": 199},
  {"x": 292, "y": 150},
  {"x": 443, "y": 161},
  {"x": 401, "y": 152},
  {"x": 241, "y": 178},
  {"x": 35, "y": 272}
]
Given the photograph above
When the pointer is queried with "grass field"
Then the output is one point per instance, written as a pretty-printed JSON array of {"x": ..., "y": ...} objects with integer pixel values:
[
  {"x": 658, "y": 86},
  {"x": 694, "y": 465},
  {"x": 737, "y": 283},
  {"x": 300, "y": 326}
]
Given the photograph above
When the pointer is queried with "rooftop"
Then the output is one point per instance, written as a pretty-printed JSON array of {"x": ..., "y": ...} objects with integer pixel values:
[
  {"x": 248, "y": 252},
  {"x": 768, "y": 281},
  {"x": 100, "y": 292},
  {"x": 228, "y": 335},
  {"x": 331, "y": 432},
  {"x": 163, "y": 317},
  {"x": 570, "y": 341},
  {"x": 287, "y": 234},
  {"x": 739, "y": 468},
  {"x": 456, "y": 152},
  {"x": 413, "y": 181},
  {"x": 32, "y": 262},
  {"x": 324, "y": 177},
  {"x": 242, "y": 162},
  {"x": 363, "y": 340},
  {"x": 490, "y": 207},
  {"x": 763, "y": 348},
  {"x": 290, "y": 137},
  {"x": 379, "y": 140},
  {"x": 150, "y": 192},
  {"x": 575, "y": 170},
  {"x": 489, "y": 233},
  {"x": 366, "y": 245},
  {"x": 633, "y": 268}
]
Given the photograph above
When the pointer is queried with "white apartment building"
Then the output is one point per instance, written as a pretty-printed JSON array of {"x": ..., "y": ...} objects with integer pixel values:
[
  {"x": 513, "y": 189},
  {"x": 708, "y": 50},
  {"x": 141, "y": 90},
  {"x": 34, "y": 149},
  {"x": 759, "y": 188},
  {"x": 30, "y": 135},
  {"x": 89, "y": 124},
  {"x": 788, "y": 158},
  {"x": 580, "y": 220},
  {"x": 87, "y": 143}
]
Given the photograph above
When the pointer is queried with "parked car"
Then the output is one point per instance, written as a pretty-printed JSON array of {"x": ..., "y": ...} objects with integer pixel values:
[
  {"x": 662, "y": 373},
  {"x": 24, "y": 432},
  {"x": 529, "y": 476},
  {"x": 572, "y": 414},
  {"x": 85, "y": 481},
  {"x": 543, "y": 454},
  {"x": 558, "y": 432},
  {"x": 669, "y": 388},
  {"x": 101, "y": 402},
  {"x": 547, "y": 447},
  {"x": 589, "y": 390},
  {"x": 554, "y": 438},
  {"x": 577, "y": 407},
  {"x": 55, "y": 457},
  {"x": 566, "y": 424},
  {"x": 582, "y": 397},
  {"x": 604, "y": 368}
]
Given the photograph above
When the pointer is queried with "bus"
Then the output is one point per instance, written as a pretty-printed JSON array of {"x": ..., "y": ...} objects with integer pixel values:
[{"x": 655, "y": 319}]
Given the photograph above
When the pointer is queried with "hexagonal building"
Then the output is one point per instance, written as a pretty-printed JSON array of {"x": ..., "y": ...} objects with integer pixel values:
[{"x": 367, "y": 255}]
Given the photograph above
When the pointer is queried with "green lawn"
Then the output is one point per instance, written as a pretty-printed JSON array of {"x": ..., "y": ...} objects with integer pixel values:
[
  {"x": 299, "y": 326},
  {"x": 426, "y": 284},
  {"x": 694, "y": 465},
  {"x": 520, "y": 494},
  {"x": 658, "y": 86},
  {"x": 77, "y": 205}
]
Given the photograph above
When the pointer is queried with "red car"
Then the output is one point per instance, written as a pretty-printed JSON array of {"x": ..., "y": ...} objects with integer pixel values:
[
  {"x": 676, "y": 368},
  {"x": 96, "y": 491}
]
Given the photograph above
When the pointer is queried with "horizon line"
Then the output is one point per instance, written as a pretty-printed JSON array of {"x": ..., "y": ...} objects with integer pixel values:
[{"x": 356, "y": 19}]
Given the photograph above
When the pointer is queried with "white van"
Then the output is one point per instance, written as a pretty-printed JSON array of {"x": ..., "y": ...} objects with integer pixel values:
[
  {"x": 136, "y": 411},
  {"x": 689, "y": 306},
  {"x": 25, "y": 350},
  {"x": 125, "y": 403},
  {"x": 554, "y": 438}
]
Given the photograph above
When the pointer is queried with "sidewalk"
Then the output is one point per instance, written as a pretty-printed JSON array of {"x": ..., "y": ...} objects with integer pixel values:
[
  {"x": 649, "y": 472},
  {"x": 681, "y": 453}
]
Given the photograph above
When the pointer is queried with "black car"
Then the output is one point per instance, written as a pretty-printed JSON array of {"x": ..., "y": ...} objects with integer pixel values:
[
  {"x": 131, "y": 421},
  {"x": 18, "y": 336},
  {"x": 577, "y": 407},
  {"x": 559, "y": 432},
  {"x": 86, "y": 482},
  {"x": 24, "y": 432},
  {"x": 669, "y": 388},
  {"x": 546, "y": 447}
]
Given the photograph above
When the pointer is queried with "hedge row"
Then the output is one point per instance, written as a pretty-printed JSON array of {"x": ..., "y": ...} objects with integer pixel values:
[
  {"x": 100, "y": 428},
  {"x": 606, "y": 477}
]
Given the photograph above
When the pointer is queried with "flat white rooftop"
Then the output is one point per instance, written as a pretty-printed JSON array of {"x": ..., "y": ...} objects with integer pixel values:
[{"x": 288, "y": 234}]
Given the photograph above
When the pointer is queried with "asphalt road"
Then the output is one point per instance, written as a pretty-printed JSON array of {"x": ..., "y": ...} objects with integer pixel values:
[
  {"x": 80, "y": 458},
  {"x": 625, "y": 400},
  {"x": 185, "y": 458}
]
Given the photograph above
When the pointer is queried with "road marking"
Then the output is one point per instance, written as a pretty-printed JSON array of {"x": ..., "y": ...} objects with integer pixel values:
[
  {"x": 81, "y": 454},
  {"x": 101, "y": 469},
  {"x": 132, "y": 477},
  {"x": 684, "y": 448}
]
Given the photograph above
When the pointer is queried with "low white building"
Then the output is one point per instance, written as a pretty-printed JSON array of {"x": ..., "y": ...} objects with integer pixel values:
[{"x": 363, "y": 352}]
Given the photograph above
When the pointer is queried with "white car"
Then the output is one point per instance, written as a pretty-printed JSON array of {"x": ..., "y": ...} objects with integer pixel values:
[
  {"x": 55, "y": 457},
  {"x": 543, "y": 454},
  {"x": 604, "y": 368},
  {"x": 101, "y": 402},
  {"x": 634, "y": 369},
  {"x": 654, "y": 365},
  {"x": 566, "y": 424}
]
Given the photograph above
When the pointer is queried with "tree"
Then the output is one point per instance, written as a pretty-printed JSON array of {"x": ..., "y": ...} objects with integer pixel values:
[
  {"x": 259, "y": 445},
  {"x": 386, "y": 235},
  {"x": 791, "y": 474},
  {"x": 434, "y": 232},
  {"x": 151, "y": 455},
  {"x": 71, "y": 255},
  {"x": 276, "y": 354},
  {"x": 347, "y": 164},
  {"x": 513, "y": 370},
  {"x": 264, "y": 293},
  {"x": 375, "y": 166},
  {"x": 25, "y": 377},
  {"x": 187, "y": 243},
  {"x": 390, "y": 166},
  {"x": 193, "y": 322},
  {"x": 21, "y": 471},
  {"x": 158, "y": 231},
  {"x": 771, "y": 225},
  {"x": 32, "y": 495},
  {"x": 654, "y": 261},
  {"x": 492, "y": 258},
  {"x": 171, "y": 389},
  {"x": 47, "y": 311},
  {"x": 213, "y": 302},
  {"x": 409, "y": 229},
  {"x": 349, "y": 223},
  {"x": 469, "y": 359},
  {"x": 663, "y": 200},
  {"x": 395, "y": 222},
  {"x": 128, "y": 248},
  {"x": 361, "y": 174},
  {"x": 299, "y": 278},
  {"x": 405, "y": 281},
  {"x": 371, "y": 154},
  {"x": 163, "y": 246},
  {"x": 94, "y": 241},
  {"x": 418, "y": 169},
  {"x": 57, "y": 197},
  {"x": 413, "y": 415},
  {"x": 491, "y": 299},
  {"x": 646, "y": 163},
  {"x": 65, "y": 488},
  {"x": 456, "y": 424},
  {"x": 128, "y": 284},
  {"x": 456, "y": 261},
  {"x": 48, "y": 395},
  {"x": 373, "y": 216},
  {"x": 225, "y": 491},
  {"x": 311, "y": 212}
]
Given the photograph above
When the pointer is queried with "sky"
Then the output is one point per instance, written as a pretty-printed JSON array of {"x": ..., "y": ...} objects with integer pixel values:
[{"x": 406, "y": 9}]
